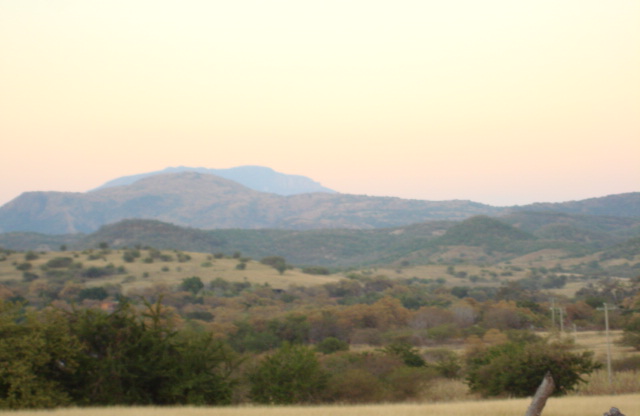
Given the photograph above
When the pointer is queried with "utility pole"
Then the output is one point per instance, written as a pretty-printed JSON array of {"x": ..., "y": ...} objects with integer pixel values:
[
  {"x": 606, "y": 309},
  {"x": 553, "y": 314}
]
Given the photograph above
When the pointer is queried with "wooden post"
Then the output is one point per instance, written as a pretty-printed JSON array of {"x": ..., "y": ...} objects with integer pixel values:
[{"x": 542, "y": 394}]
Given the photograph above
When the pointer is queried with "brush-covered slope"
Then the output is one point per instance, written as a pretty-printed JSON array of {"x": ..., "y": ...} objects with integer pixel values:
[
  {"x": 208, "y": 202},
  {"x": 619, "y": 205},
  {"x": 592, "y": 230},
  {"x": 483, "y": 231}
]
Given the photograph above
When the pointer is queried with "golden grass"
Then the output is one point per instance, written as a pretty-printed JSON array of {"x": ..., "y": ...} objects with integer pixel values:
[
  {"x": 622, "y": 382},
  {"x": 596, "y": 341},
  {"x": 566, "y": 406},
  {"x": 259, "y": 273},
  {"x": 173, "y": 272}
]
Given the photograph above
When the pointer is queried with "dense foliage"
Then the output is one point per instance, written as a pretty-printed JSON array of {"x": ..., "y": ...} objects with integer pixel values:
[
  {"x": 89, "y": 356},
  {"x": 290, "y": 375},
  {"x": 517, "y": 368}
]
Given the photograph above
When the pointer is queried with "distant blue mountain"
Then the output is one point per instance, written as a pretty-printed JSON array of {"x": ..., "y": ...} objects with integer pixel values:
[{"x": 258, "y": 178}]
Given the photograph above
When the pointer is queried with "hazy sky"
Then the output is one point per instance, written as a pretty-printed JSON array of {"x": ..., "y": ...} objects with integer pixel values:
[{"x": 498, "y": 101}]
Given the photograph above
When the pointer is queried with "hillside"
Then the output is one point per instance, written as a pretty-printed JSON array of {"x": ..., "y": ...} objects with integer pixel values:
[
  {"x": 477, "y": 240},
  {"x": 210, "y": 202},
  {"x": 253, "y": 197},
  {"x": 620, "y": 205}
]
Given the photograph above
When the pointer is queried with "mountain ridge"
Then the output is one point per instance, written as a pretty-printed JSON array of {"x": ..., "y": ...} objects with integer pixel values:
[
  {"x": 207, "y": 201},
  {"x": 202, "y": 200}
]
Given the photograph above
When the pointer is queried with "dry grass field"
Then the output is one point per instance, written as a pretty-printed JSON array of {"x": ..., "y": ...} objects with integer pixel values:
[
  {"x": 140, "y": 275},
  {"x": 566, "y": 406}
]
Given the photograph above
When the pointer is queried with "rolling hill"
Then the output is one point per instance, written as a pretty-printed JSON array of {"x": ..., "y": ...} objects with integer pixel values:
[
  {"x": 210, "y": 202},
  {"x": 479, "y": 240}
]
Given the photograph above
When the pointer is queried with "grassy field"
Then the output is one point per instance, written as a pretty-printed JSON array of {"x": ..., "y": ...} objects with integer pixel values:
[
  {"x": 566, "y": 406},
  {"x": 140, "y": 275}
]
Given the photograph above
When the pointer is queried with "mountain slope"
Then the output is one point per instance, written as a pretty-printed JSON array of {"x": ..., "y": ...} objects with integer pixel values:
[
  {"x": 206, "y": 201},
  {"x": 477, "y": 239},
  {"x": 619, "y": 205}
]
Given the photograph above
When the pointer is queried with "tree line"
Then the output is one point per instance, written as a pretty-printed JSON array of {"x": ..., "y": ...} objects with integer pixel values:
[{"x": 137, "y": 355}]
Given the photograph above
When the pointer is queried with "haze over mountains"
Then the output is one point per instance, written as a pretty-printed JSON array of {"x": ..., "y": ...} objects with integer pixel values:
[
  {"x": 258, "y": 178},
  {"x": 197, "y": 198}
]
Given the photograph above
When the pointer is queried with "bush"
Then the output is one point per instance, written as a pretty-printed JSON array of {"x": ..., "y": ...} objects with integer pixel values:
[
  {"x": 60, "y": 262},
  {"x": 192, "y": 284},
  {"x": 277, "y": 262},
  {"x": 30, "y": 255},
  {"x": 517, "y": 368},
  {"x": 374, "y": 377},
  {"x": 407, "y": 353},
  {"x": 96, "y": 271},
  {"x": 290, "y": 375},
  {"x": 316, "y": 270},
  {"x": 23, "y": 267},
  {"x": 330, "y": 345},
  {"x": 97, "y": 293}
]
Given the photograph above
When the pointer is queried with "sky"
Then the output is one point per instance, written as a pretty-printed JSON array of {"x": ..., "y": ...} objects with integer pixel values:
[{"x": 496, "y": 101}]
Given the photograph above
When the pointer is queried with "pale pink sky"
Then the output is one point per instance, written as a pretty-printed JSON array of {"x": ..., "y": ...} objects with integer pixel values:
[{"x": 498, "y": 101}]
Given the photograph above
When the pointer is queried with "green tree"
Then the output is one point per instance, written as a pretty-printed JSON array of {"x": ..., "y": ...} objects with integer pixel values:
[
  {"x": 290, "y": 375},
  {"x": 517, "y": 368},
  {"x": 329, "y": 345},
  {"x": 407, "y": 353},
  {"x": 36, "y": 352},
  {"x": 130, "y": 358},
  {"x": 277, "y": 262},
  {"x": 192, "y": 284}
]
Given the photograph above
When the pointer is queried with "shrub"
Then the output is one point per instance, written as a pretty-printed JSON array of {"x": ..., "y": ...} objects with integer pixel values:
[
  {"x": 192, "y": 284},
  {"x": 29, "y": 277},
  {"x": 277, "y": 262},
  {"x": 330, "y": 345},
  {"x": 23, "y": 267},
  {"x": 356, "y": 386},
  {"x": 407, "y": 353},
  {"x": 316, "y": 270},
  {"x": 290, "y": 375},
  {"x": 30, "y": 255},
  {"x": 97, "y": 293},
  {"x": 59, "y": 262},
  {"x": 372, "y": 377}
]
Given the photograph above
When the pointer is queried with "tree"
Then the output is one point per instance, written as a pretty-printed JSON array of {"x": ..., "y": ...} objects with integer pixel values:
[
  {"x": 277, "y": 262},
  {"x": 290, "y": 375},
  {"x": 192, "y": 284},
  {"x": 36, "y": 352},
  {"x": 407, "y": 353},
  {"x": 130, "y": 358},
  {"x": 330, "y": 345},
  {"x": 516, "y": 368}
]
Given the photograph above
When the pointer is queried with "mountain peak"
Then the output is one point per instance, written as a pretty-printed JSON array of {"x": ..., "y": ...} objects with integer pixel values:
[{"x": 258, "y": 178}]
